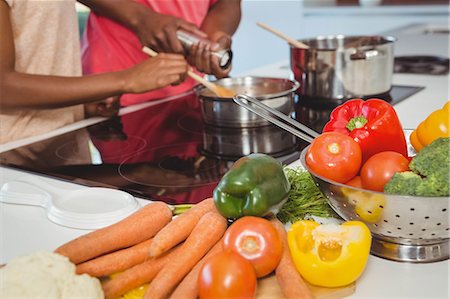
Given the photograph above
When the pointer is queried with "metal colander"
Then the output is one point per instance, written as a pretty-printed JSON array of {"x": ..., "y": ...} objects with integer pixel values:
[{"x": 404, "y": 228}]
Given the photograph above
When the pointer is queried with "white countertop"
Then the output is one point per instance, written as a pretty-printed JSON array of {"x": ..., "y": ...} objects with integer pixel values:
[{"x": 25, "y": 229}]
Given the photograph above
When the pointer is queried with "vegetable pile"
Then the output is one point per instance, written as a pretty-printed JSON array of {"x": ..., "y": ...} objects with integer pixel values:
[
  {"x": 194, "y": 254},
  {"x": 258, "y": 185},
  {"x": 373, "y": 123},
  {"x": 363, "y": 146}
]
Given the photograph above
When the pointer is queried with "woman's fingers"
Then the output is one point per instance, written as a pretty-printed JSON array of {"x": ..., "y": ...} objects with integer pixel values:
[{"x": 154, "y": 73}]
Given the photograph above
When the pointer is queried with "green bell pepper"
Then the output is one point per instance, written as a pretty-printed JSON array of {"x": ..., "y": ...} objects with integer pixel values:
[{"x": 256, "y": 185}]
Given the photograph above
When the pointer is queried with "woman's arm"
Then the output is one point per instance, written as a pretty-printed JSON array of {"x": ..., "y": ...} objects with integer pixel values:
[{"x": 20, "y": 90}]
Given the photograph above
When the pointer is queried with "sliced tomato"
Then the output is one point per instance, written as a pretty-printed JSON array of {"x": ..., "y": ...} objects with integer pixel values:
[
  {"x": 226, "y": 275},
  {"x": 257, "y": 240},
  {"x": 380, "y": 168},
  {"x": 334, "y": 156}
]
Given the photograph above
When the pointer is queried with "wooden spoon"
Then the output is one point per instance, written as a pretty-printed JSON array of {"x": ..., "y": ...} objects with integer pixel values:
[
  {"x": 290, "y": 40},
  {"x": 220, "y": 91}
]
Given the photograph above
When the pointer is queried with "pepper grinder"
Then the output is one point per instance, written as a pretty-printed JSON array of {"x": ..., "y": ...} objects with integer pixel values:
[{"x": 188, "y": 39}]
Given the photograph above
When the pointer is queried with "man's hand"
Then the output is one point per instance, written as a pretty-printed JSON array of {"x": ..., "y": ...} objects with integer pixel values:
[
  {"x": 201, "y": 57},
  {"x": 158, "y": 31}
]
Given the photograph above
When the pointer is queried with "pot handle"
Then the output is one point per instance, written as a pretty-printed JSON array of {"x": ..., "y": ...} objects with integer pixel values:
[
  {"x": 280, "y": 119},
  {"x": 364, "y": 54}
]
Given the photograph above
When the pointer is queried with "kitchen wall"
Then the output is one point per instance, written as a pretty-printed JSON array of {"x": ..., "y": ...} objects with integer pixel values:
[{"x": 254, "y": 47}]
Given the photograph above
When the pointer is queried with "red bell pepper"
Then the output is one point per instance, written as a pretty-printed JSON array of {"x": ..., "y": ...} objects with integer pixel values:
[{"x": 372, "y": 123}]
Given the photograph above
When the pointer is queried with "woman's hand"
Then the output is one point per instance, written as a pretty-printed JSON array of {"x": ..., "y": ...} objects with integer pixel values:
[
  {"x": 106, "y": 108},
  {"x": 155, "y": 73},
  {"x": 200, "y": 55}
]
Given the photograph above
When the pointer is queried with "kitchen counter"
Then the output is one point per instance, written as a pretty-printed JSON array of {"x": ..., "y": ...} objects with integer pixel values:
[{"x": 25, "y": 229}]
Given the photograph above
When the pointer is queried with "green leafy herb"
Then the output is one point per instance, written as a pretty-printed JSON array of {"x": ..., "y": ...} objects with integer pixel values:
[{"x": 305, "y": 198}]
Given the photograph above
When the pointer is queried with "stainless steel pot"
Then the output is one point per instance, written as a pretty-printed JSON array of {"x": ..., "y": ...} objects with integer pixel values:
[
  {"x": 343, "y": 67},
  {"x": 274, "y": 92}
]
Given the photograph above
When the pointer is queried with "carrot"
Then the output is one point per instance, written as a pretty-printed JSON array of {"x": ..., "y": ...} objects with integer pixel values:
[
  {"x": 116, "y": 261},
  {"x": 180, "y": 228},
  {"x": 137, "y": 275},
  {"x": 292, "y": 284},
  {"x": 206, "y": 233},
  {"x": 188, "y": 289},
  {"x": 137, "y": 227}
]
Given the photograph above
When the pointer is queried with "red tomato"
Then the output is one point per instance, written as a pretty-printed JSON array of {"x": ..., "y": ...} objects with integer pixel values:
[
  {"x": 334, "y": 156},
  {"x": 256, "y": 240},
  {"x": 380, "y": 168},
  {"x": 355, "y": 182},
  {"x": 226, "y": 275}
]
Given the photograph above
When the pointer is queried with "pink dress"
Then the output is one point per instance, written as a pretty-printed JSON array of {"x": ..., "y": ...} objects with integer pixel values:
[{"x": 108, "y": 46}]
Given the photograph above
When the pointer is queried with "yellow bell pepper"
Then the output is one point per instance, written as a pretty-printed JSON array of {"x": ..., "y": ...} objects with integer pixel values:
[
  {"x": 329, "y": 255},
  {"x": 368, "y": 206},
  {"x": 436, "y": 125}
]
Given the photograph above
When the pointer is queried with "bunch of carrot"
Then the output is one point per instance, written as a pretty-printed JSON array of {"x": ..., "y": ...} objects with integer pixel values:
[{"x": 151, "y": 247}]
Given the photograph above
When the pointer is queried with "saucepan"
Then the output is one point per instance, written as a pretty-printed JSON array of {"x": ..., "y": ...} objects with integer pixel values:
[
  {"x": 404, "y": 228},
  {"x": 276, "y": 93},
  {"x": 337, "y": 68}
]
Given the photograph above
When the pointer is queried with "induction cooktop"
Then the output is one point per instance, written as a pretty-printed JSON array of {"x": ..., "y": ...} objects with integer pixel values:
[{"x": 165, "y": 151}]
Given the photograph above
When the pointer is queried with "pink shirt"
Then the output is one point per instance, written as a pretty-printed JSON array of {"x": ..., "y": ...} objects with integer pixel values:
[{"x": 108, "y": 46}]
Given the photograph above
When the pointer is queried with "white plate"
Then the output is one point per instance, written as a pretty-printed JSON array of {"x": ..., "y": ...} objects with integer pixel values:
[{"x": 84, "y": 208}]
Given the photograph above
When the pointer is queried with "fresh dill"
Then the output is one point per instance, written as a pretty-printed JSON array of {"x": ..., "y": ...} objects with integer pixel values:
[{"x": 305, "y": 199}]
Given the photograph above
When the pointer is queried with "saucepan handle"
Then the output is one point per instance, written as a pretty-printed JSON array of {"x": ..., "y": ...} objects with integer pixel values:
[{"x": 276, "y": 117}]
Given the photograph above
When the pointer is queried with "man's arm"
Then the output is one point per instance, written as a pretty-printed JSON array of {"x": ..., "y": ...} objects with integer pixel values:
[
  {"x": 220, "y": 24},
  {"x": 126, "y": 12},
  {"x": 224, "y": 16},
  {"x": 155, "y": 30}
]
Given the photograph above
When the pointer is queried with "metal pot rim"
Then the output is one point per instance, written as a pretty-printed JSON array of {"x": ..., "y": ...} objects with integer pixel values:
[
  {"x": 386, "y": 38},
  {"x": 295, "y": 85}
]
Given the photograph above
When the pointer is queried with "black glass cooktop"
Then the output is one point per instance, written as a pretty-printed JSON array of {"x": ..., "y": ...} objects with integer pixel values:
[{"x": 165, "y": 151}]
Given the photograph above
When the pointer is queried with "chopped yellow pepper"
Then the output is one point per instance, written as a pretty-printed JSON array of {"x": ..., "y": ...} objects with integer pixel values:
[
  {"x": 436, "y": 125},
  {"x": 329, "y": 255}
]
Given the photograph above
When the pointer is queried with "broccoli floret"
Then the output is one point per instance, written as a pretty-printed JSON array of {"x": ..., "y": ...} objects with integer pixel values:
[
  {"x": 429, "y": 175},
  {"x": 433, "y": 159},
  {"x": 403, "y": 183},
  {"x": 433, "y": 186}
]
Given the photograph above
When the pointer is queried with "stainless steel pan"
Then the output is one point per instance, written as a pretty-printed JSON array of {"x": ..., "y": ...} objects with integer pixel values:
[
  {"x": 337, "y": 68},
  {"x": 223, "y": 112}
]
